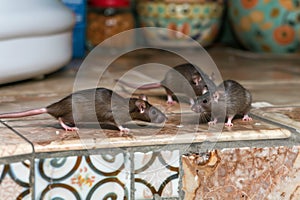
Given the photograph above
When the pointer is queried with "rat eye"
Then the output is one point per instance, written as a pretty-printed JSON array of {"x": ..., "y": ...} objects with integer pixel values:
[
  {"x": 153, "y": 112},
  {"x": 204, "y": 101}
]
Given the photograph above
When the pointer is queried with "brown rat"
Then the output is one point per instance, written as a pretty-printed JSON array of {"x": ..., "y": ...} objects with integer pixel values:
[
  {"x": 234, "y": 98},
  {"x": 100, "y": 103},
  {"x": 196, "y": 82}
]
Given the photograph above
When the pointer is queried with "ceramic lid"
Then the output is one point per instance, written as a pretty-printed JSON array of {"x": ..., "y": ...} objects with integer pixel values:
[
  {"x": 29, "y": 18},
  {"x": 110, "y": 3}
]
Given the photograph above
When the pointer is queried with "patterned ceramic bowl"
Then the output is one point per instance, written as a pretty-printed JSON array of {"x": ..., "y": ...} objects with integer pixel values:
[
  {"x": 198, "y": 19},
  {"x": 266, "y": 25}
]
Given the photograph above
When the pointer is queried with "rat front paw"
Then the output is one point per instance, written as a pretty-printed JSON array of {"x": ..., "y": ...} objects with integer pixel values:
[
  {"x": 171, "y": 103},
  {"x": 124, "y": 130},
  {"x": 229, "y": 124},
  {"x": 212, "y": 123}
]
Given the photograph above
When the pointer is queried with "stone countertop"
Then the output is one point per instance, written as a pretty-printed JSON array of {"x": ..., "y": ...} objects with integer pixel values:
[{"x": 272, "y": 81}]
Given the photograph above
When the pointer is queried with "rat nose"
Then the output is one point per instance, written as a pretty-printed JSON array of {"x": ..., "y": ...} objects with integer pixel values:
[{"x": 195, "y": 108}]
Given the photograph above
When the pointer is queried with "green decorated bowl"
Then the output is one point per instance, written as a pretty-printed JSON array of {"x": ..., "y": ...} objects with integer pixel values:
[
  {"x": 266, "y": 25},
  {"x": 198, "y": 19}
]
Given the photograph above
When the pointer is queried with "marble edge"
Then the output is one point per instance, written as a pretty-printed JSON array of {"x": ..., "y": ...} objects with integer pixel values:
[
  {"x": 185, "y": 139},
  {"x": 274, "y": 117},
  {"x": 15, "y": 150}
]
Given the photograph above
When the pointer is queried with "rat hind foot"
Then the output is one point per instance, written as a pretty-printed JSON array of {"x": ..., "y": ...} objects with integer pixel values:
[
  {"x": 170, "y": 100},
  {"x": 246, "y": 118},
  {"x": 66, "y": 127},
  {"x": 229, "y": 123}
]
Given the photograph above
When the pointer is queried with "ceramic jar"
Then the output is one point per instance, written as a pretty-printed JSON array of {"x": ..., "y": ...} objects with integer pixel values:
[
  {"x": 266, "y": 25},
  {"x": 35, "y": 38},
  {"x": 107, "y": 18},
  {"x": 199, "y": 19}
]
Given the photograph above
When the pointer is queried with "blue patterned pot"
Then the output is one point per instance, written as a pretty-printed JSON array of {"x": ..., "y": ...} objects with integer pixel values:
[
  {"x": 266, "y": 25},
  {"x": 199, "y": 19}
]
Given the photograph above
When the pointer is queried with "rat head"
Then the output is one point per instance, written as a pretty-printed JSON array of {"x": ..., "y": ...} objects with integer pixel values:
[
  {"x": 202, "y": 103},
  {"x": 202, "y": 84},
  {"x": 198, "y": 84},
  {"x": 141, "y": 109}
]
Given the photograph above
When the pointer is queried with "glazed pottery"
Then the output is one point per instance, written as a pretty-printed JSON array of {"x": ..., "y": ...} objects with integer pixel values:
[
  {"x": 198, "y": 19},
  {"x": 35, "y": 38},
  {"x": 266, "y": 25}
]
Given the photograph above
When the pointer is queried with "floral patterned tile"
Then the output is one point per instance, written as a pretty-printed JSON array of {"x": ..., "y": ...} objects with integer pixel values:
[
  {"x": 14, "y": 181},
  {"x": 156, "y": 173},
  {"x": 83, "y": 177}
]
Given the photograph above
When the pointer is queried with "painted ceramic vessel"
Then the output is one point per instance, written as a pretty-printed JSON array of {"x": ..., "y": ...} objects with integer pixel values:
[
  {"x": 199, "y": 19},
  {"x": 266, "y": 25}
]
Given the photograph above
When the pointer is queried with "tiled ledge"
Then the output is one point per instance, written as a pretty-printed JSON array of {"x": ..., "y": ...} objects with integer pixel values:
[
  {"x": 84, "y": 175},
  {"x": 46, "y": 135}
]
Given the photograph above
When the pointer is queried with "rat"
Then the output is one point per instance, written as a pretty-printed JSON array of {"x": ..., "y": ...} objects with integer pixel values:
[
  {"x": 197, "y": 82},
  {"x": 234, "y": 98},
  {"x": 109, "y": 108}
]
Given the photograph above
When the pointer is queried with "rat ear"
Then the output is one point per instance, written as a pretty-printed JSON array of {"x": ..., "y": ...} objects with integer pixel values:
[
  {"x": 143, "y": 97},
  {"x": 141, "y": 105},
  {"x": 216, "y": 96},
  {"x": 196, "y": 79}
]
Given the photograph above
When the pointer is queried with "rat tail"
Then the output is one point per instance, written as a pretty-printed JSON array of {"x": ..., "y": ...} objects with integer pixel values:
[
  {"x": 143, "y": 87},
  {"x": 24, "y": 113}
]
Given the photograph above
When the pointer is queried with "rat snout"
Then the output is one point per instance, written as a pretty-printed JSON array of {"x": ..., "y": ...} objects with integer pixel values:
[
  {"x": 161, "y": 118},
  {"x": 156, "y": 116}
]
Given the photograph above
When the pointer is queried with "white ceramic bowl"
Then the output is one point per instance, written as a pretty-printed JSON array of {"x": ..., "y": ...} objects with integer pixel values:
[{"x": 35, "y": 38}]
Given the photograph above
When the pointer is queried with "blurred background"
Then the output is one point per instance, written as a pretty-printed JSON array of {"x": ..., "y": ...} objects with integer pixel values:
[{"x": 66, "y": 29}]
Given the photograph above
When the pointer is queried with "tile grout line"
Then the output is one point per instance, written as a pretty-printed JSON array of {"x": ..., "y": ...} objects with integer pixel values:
[
  {"x": 32, "y": 166},
  {"x": 180, "y": 176},
  {"x": 132, "y": 176}
]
